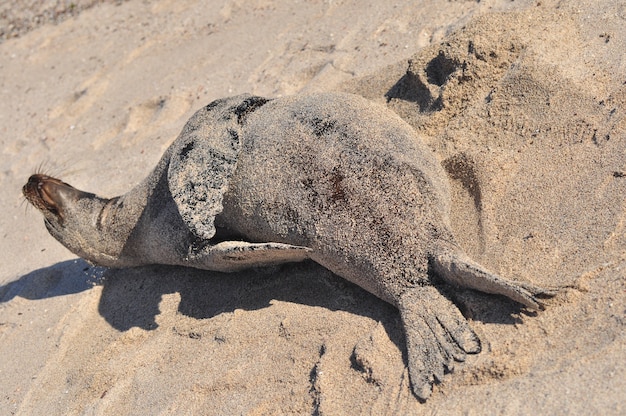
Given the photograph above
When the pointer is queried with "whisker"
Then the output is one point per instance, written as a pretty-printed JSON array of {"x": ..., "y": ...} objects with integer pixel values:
[
  {"x": 56, "y": 170},
  {"x": 47, "y": 168},
  {"x": 26, "y": 204}
]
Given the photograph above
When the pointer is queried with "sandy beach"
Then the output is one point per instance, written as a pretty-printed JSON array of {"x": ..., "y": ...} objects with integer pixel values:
[{"x": 523, "y": 102}]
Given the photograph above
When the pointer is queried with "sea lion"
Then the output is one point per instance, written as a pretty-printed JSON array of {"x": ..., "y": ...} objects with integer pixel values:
[{"x": 328, "y": 177}]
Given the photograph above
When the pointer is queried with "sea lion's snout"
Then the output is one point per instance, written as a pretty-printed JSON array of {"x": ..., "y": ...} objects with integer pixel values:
[
  {"x": 50, "y": 195},
  {"x": 75, "y": 218}
]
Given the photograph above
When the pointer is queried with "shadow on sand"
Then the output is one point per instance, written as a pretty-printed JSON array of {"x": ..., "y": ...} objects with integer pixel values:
[{"x": 131, "y": 297}]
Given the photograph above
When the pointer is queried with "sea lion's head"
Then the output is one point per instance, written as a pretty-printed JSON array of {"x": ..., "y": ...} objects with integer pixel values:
[{"x": 72, "y": 216}]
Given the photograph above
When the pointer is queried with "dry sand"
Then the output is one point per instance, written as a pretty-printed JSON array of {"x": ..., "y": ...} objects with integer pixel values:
[{"x": 525, "y": 104}]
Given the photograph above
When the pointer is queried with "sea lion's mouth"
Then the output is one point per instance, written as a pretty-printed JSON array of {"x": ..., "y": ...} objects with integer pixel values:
[{"x": 47, "y": 193}]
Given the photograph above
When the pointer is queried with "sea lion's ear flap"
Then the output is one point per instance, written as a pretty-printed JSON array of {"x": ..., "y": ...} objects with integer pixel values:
[{"x": 202, "y": 160}]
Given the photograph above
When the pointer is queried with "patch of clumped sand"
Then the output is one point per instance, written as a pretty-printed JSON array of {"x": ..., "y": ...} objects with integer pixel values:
[{"x": 523, "y": 102}]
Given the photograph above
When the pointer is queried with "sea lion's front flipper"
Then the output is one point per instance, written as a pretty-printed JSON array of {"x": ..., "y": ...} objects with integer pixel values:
[
  {"x": 456, "y": 268},
  {"x": 436, "y": 336},
  {"x": 203, "y": 159},
  {"x": 231, "y": 256}
]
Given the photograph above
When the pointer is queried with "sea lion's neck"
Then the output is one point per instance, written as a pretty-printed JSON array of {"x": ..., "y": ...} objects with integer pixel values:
[
  {"x": 117, "y": 232},
  {"x": 143, "y": 226}
]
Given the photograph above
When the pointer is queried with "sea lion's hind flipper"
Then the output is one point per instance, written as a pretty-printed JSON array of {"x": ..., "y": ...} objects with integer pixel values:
[
  {"x": 230, "y": 256},
  {"x": 436, "y": 333},
  {"x": 456, "y": 268}
]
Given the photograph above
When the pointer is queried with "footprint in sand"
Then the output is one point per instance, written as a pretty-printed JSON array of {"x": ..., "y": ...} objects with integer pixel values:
[
  {"x": 145, "y": 120},
  {"x": 82, "y": 100}
]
